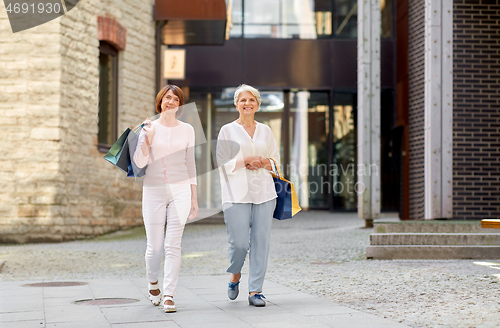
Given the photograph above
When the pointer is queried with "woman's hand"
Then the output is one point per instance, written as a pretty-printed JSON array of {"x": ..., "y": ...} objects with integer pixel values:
[
  {"x": 194, "y": 209},
  {"x": 253, "y": 162},
  {"x": 266, "y": 163},
  {"x": 150, "y": 131}
]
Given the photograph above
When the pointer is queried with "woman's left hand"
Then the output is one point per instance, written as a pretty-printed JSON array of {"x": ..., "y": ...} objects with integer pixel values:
[
  {"x": 250, "y": 167},
  {"x": 194, "y": 209}
]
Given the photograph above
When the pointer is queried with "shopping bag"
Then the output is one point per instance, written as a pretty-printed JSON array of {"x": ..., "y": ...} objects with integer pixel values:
[
  {"x": 132, "y": 139},
  {"x": 287, "y": 203},
  {"x": 120, "y": 154}
]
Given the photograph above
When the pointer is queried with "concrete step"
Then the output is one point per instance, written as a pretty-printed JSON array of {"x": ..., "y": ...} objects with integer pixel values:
[
  {"x": 431, "y": 226},
  {"x": 457, "y": 239},
  {"x": 432, "y": 252}
]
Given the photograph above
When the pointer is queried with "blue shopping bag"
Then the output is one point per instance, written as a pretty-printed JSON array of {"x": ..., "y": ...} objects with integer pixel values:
[{"x": 287, "y": 203}]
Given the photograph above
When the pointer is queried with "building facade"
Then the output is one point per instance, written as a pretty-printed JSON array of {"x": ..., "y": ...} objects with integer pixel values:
[
  {"x": 476, "y": 109},
  {"x": 448, "y": 108},
  {"x": 301, "y": 55},
  {"x": 68, "y": 88},
  {"x": 71, "y": 86}
]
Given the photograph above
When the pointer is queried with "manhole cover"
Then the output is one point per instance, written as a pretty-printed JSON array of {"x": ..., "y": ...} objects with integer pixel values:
[
  {"x": 56, "y": 284},
  {"x": 106, "y": 301}
]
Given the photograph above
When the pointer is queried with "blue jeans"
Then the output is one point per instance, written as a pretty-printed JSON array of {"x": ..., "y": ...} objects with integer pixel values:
[{"x": 249, "y": 228}]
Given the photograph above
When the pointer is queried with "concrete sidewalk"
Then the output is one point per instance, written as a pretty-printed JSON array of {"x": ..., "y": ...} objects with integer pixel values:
[{"x": 201, "y": 301}]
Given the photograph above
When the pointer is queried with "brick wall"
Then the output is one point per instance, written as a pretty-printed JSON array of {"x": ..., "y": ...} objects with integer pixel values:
[
  {"x": 416, "y": 68},
  {"x": 476, "y": 109},
  {"x": 54, "y": 183}
]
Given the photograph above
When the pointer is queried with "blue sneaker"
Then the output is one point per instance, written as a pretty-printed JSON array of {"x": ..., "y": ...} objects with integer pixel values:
[
  {"x": 257, "y": 300},
  {"x": 233, "y": 290}
]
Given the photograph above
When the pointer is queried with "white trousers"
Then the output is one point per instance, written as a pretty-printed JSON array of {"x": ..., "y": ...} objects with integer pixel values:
[{"x": 166, "y": 204}]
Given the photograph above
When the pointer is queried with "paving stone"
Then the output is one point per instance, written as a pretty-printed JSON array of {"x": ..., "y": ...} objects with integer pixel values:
[{"x": 318, "y": 255}]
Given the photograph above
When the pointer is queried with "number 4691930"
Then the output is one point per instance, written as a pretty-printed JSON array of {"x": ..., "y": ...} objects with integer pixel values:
[{"x": 41, "y": 8}]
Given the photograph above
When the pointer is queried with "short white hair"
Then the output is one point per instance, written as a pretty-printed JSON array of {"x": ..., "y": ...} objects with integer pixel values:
[{"x": 243, "y": 88}]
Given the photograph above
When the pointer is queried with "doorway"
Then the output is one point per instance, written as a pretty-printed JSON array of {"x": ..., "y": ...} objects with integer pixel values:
[{"x": 315, "y": 132}]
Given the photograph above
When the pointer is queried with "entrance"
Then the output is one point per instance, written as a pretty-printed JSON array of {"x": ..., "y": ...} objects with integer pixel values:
[{"x": 315, "y": 132}]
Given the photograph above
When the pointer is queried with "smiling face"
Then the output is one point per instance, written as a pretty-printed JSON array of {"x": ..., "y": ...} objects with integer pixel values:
[
  {"x": 170, "y": 102},
  {"x": 247, "y": 104}
]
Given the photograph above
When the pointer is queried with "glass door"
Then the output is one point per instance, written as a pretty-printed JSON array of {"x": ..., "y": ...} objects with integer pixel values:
[
  {"x": 344, "y": 155},
  {"x": 309, "y": 128},
  {"x": 301, "y": 125}
]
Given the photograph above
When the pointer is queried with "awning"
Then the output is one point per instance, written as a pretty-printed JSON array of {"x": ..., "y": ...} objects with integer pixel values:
[{"x": 191, "y": 22}]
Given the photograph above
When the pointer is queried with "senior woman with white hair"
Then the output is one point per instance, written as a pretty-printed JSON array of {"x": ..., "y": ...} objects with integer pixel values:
[{"x": 244, "y": 152}]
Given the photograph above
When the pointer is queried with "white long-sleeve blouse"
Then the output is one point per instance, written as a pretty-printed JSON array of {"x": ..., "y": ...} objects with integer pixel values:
[
  {"x": 244, "y": 185},
  {"x": 171, "y": 157}
]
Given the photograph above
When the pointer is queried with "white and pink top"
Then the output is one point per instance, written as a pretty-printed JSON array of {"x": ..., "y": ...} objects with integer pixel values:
[{"x": 171, "y": 156}]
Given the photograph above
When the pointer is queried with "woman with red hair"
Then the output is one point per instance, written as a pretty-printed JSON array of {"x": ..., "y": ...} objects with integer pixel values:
[{"x": 169, "y": 196}]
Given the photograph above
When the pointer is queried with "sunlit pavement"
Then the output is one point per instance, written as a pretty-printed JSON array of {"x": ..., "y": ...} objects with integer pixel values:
[{"x": 200, "y": 300}]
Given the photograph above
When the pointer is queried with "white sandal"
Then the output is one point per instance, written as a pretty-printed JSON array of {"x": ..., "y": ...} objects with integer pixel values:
[
  {"x": 155, "y": 299},
  {"x": 169, "y": 308}
]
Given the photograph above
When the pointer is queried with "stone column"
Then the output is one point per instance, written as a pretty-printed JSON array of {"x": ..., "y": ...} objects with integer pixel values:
[
  {"x": 369, "y": 25},
  {"x": 438, "y": 109}
]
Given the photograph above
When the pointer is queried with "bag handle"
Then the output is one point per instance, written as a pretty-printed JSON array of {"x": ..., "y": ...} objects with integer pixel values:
[{"x": 276, "y": 168}]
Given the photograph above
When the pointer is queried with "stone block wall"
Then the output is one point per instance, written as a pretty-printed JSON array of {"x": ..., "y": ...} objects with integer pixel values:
[
  {"x": 30, "y": 94},
  {"x": 54, "y": 183}
]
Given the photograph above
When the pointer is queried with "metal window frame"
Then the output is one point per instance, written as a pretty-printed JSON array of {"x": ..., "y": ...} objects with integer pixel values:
[{"x": 108, "y": 49}]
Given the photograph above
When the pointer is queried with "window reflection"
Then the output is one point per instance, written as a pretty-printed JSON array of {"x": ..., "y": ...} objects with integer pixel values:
[
  {"x": 345, "y": 18},
  {"x": 322, "y": 173},
  {"x": 107, "y": 124},
  {"x": 324, "y": 23},
  {"x": 300, "y": 19},
  {"x": 344, "y": 122},
  {"x": 283, "y": 19},
  {"x": 216, "y": 108},
  {"x": 344, "y": 170},
  {"x": 306, "y": 139},
  {"x": 386, "y": 7},
  {"x": 308, "y": 167},
  {"x": 235, "y": 18},
  {"x": 279, "y": 19}
]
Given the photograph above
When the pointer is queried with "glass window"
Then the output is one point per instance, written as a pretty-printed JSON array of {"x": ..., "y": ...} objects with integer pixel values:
[
  {"x": 216, "y": 109},
  {"x": 323, "y": 13},
  {"x": 282, "y": 19},
  {"x": 301, "y": 19},
  {"x": 308, "y": 141},
  {"x": 298, "y": 19},
  {"x": 262, "y": 18},
  {"x": 344, "y": 168},
  {"x": 324, "y": 174},
  {"x": 345, "y": 18},
  {"x": 235, "y": 18},
  {"x": 386, "y": 8},
  {"x": 108, "y": 76}
]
